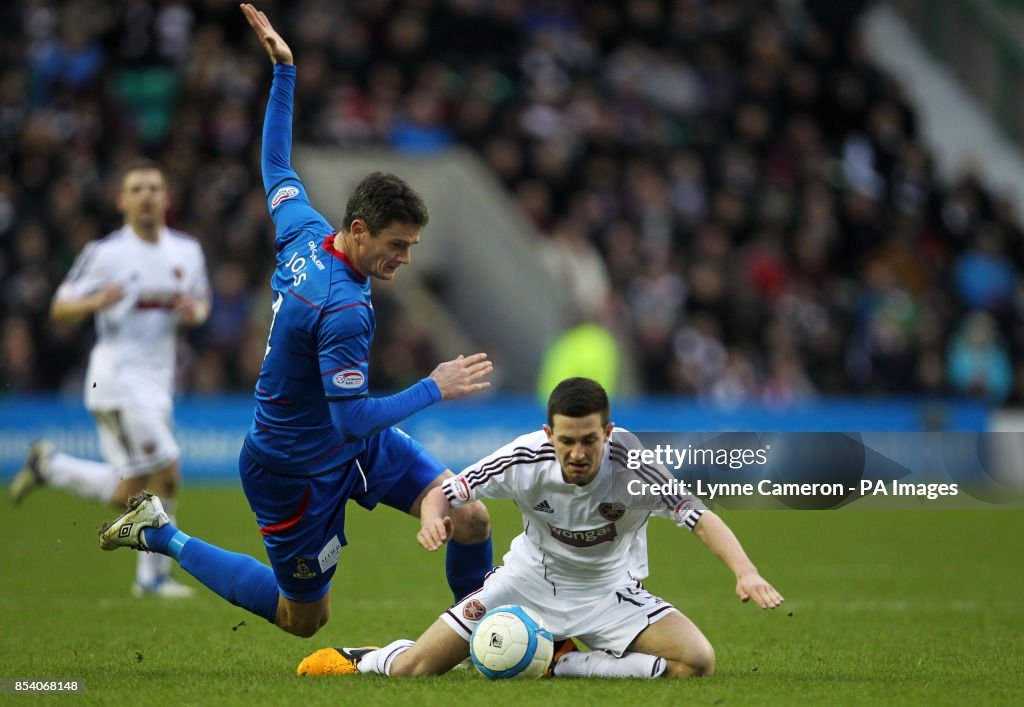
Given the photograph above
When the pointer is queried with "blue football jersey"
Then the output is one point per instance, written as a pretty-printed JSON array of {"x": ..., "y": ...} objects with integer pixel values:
[{"x": 319, "y": 344}]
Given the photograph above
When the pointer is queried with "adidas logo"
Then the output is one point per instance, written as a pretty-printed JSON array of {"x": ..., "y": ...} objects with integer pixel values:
[{"x": 544, "y": 507}]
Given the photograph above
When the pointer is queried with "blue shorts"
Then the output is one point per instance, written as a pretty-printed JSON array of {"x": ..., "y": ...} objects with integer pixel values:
[{"x": 302, "y": 519}]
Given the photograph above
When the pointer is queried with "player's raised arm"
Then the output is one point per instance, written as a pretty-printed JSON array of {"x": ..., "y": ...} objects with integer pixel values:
[
  {"x": 749, "y": 583},
  {"x": 276, "y": 47},
  {"x": 275, "y": 162}
]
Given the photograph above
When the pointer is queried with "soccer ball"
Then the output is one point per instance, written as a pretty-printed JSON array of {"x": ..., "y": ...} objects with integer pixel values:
[{"x": 511, "y": 642}]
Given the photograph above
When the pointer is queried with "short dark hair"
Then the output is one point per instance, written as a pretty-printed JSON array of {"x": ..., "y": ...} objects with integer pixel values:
[
  {"x": 139, "y": 164},
  {"x": 578, "y": 397},
  {"x": 381, "y": 199}
]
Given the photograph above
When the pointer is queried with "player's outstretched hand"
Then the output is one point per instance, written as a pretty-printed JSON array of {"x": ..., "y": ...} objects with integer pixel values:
[
  {"x": 272, "y": 42},
  {"x": 462, "y": 376},
  {"x": 435, "y": 533},
  {"x": 754, "y": 586}
]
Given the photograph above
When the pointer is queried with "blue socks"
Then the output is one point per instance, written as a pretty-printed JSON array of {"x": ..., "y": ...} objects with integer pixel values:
[
  {"x": 242, "y": 580},
  {"x": 466, "y": 566}
]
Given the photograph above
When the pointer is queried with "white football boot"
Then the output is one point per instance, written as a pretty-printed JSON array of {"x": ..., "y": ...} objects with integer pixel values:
[{"x": 144, "y": 511}]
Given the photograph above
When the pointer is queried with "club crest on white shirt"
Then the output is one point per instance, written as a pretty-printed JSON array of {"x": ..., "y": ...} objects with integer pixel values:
[{"x": 611, "y": 511}]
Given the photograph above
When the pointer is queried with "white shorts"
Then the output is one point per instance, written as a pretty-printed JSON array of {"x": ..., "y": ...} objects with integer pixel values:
[
  {"x": 607, "y": 621},
  {"x": 136, "y": 441}
]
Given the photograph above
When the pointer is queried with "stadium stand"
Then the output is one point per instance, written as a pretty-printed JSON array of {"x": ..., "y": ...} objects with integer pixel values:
[{"x": 736, "y": 192}]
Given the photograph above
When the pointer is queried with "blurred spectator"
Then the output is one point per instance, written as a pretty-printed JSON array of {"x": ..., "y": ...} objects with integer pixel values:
[
  {"x": 746, "y": 193},
  {"x": 978, "y": 362}
]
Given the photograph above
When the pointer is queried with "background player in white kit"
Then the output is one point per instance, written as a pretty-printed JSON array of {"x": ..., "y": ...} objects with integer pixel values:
[
  {"x": 141, "y": 283},
  {"x": 580, "y": 558}
]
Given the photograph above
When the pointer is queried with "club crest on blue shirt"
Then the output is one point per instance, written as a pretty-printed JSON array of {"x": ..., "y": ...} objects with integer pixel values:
[
  {"x": 302, "y": 570},
  {"x": 348, "y": 380}
]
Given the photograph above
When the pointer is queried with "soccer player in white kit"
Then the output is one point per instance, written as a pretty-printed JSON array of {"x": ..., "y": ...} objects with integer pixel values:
[
  {"x": 141, "y": 283},
  {"x": 580, "y": 559}
]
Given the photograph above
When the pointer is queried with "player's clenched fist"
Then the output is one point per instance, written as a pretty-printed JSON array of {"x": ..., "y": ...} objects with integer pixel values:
[{"x": 462, "y": 376}]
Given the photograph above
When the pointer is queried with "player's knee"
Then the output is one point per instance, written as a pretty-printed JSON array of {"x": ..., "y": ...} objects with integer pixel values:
[
  {"x": 303, "y": 626},
  {"x": 698, "y": 661},
  {"x": 472, "y": 523},
  {"x": 701, "y": 661}
]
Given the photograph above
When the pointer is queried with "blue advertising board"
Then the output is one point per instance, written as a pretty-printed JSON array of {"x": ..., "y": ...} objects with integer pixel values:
[{"x": 210, "y": 429}]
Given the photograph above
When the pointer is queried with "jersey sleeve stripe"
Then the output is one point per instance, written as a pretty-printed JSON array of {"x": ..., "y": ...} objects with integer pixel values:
[
  {"x": 347, "y": 306},
  {"x": 303, "y": 299},
  {"x": 479, "y": 480},
  {"x": 343, "y": 367},
  {"x": 691, "y": 517},
  {"x": 497, "y": 465},
  {"x": 81, "y": 261},
  {"x": 272, "y": 399}
]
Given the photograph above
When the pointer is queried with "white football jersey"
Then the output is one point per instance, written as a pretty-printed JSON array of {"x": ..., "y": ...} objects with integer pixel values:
[
  {"x": 132, "y": 362},
  {"x": 579, "y": 538}
]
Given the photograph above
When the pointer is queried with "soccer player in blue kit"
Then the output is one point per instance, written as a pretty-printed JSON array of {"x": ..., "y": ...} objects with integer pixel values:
[{"x": 317, "y": 439}]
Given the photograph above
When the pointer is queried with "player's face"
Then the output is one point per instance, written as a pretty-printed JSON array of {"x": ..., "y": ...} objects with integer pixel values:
[
  {"x": 382, "y": 253},
  {"x": 143, "y": 198},
  {"x": 579, "y": 445}
]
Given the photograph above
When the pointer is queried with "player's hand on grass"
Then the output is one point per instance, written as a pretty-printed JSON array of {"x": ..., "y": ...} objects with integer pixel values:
[
  {"x": 435, "y": 533},
  {"x": 271, "y": 40},
  {"x": 754, "y": 586},
  {"x": 462, "y": 376}
]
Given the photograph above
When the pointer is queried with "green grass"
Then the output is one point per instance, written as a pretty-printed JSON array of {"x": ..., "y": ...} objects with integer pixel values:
[{"x": 882, "y": 607}]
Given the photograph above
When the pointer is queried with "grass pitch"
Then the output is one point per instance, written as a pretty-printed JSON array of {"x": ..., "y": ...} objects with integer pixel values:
[{"x": 882, "y": 607}]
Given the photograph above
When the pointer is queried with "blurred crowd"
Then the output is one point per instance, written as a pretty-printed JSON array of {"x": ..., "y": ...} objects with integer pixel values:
[{"x": 732, "y": 188}]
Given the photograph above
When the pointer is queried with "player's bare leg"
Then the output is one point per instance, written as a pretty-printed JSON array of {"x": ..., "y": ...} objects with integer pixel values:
[
  {"x": 686, "y": 650},
  {"x": 436, "y": 652},
  {"x": 302, "y": 618}
]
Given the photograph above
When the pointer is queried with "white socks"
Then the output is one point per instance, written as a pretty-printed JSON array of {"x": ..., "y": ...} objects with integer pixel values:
[
  {"x": 81, "y": 477},
  {"x": 379, "y": 661},
  {"x": 598, "y": 664}
]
